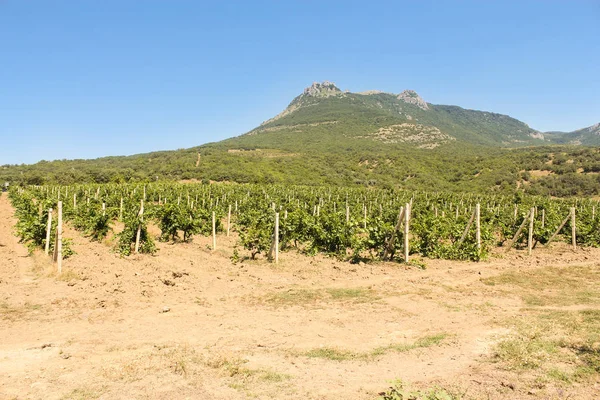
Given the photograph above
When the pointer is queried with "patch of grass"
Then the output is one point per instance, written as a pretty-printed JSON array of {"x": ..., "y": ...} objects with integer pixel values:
[
  {"x": 85, "y": 394},
  {"x": 271, "y": 376},
  {"x": 335, "y": 354},
  {"x": 559, "y": 375},
  {"x": 399, "y": 391},
  {"x": 553, "y": 286},
  {"x": 304, "y": 297},
  {"x": 242, "y": 378},
  {"x": 562, "y": 345},
  {"x": 526, "y": 350},
  {"x": 423, "y": 342},
  {"x": 68, "y": 275},
  {"x": 357, "y": 295},
  {"x": 15, "y": 313},
  {"x": 294, "y": 297},
  {"x": 179, "y": 360}
]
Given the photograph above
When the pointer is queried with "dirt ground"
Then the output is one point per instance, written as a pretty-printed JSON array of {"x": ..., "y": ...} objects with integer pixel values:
[{"x": 188, "y": 323}]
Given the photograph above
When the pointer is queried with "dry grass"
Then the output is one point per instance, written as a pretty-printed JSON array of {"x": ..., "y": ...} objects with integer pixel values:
[
  {"x": 18, "y": 312},
  {"x": 335, "y": 354},
  {"x": 553, "y": 286},
  {"x": 311, "y": 297}
]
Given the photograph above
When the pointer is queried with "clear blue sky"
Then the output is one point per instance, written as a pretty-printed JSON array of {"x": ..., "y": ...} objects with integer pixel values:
[{"x": 89, "y": 78}]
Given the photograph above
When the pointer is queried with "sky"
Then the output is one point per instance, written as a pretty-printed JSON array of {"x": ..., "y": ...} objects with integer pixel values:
[{"x": 92, "y": 78}]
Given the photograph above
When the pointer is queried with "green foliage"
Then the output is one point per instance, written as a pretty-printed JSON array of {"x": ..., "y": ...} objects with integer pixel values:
[
  {"x": 32, "y": 222},
  {"x": 91, "y": 219},
  {"x": 127, "y": 238},
  {"x": 350, "y": 223},
  {"x": 257, "y": 230}
]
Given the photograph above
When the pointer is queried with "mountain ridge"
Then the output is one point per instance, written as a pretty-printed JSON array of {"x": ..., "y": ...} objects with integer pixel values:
[{"x": 329, "y": 136}]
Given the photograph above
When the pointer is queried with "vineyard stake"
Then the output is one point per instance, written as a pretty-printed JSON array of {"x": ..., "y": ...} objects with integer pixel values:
[
  {"x": 121, "y": 210},
  {"x": 466, "y": 231},
  {"x": 228, "y": 220},
  {"x": 530, "y": 234},
  {"x": 573, "y": 229},
  {"x": 406, "y": 230},
  {"x": 390, "y": 245},
  {"x": 214, "y": 231},
  {"x": 514, "y": 239},
  {"x": 58, "y": 248},
  {"x": 139, "y": 229},
  {"x": 562, "y": 224},
  {"x": 48, "y": 230},
  {"x": 276, "y": 238},
  {"x": 543, "y": 218},
  {"x": 478, "y": 227}
]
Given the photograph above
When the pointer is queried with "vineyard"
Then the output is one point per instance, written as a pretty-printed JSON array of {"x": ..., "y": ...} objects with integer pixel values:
[
  {"x": 350, "y": 224},
  {"x": 229, "y": 291}
]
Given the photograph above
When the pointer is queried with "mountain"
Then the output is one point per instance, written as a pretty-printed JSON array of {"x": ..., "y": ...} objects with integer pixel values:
[
  {"x": 589, "y": 136},
  {"x": 386, "y": 118},
  {"x": 329, "y": 136}
]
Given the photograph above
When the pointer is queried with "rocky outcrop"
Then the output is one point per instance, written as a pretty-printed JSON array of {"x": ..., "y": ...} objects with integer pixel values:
[
  {"x": 425, "y": 137},
  {"x": 595, "y": 129},
  {"x": 411, "y": 97},
  {"x": 537, "y": 135},
  {"x": 324, "y": 89}
]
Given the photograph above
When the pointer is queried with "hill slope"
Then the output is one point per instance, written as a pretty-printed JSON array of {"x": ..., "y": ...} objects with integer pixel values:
[{"x": 589, "y": 136}]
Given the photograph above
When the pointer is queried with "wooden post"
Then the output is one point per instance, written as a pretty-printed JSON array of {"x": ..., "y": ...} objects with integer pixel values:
[
  {"x": 478, "y": 226},
  {"x": 139, "y": 229},
  {"x": 562, "y": 224},
  {"x": 228, "y": 220},
  {"x": 276, "y": 238},
  {"x": 121, "y": 210},
  {"x": 573, "y": 229},
  {"x": 103, "y": 209},
  {"x": 347, "y": 214},
  {"x": 74, "y": 200},
  {"x": 530, "y": 235},
  {"x": 58, "y": 248},
  {"x": 466, "y": 231},
  {"x": 543, "y": 218},
  {"x": 214, "y": 231},
  {"x": 48, "y": 231},
  {"x": 390, "y": 245},
  {"x": 514, "y": 239},
  {"x": 365, "y": 217},
  {"x": 406, "y": 230}
]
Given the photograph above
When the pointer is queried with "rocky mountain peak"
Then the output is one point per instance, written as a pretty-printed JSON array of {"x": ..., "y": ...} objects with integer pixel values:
[
  {"x": 324, "y": 89},
  {"x": 595, "y": 128},
  {"x": 411, "y": 97}
]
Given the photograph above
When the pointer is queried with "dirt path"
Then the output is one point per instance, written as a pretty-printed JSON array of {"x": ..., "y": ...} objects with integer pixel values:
[{"x": 188, "y": 323}]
